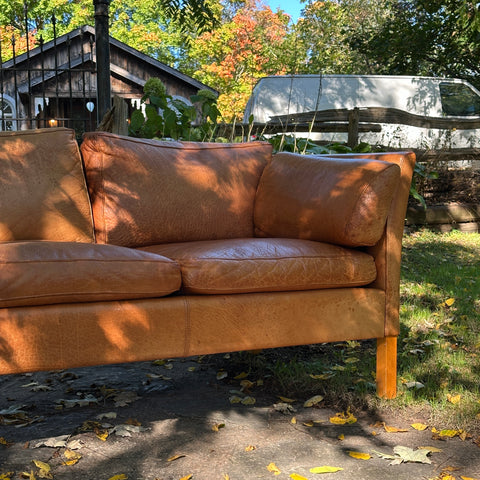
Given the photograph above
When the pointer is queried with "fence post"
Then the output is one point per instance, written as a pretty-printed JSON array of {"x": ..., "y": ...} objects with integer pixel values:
[
  {"x": 353, "y": 120},
  {"x": 102, "y": 51}
]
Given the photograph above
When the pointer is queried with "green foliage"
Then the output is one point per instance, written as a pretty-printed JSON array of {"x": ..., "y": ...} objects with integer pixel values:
[
  {"x": 199, "y": 15},
  {"x": 427, "y": 38},
  {"x": 166, "y": 117},
  {"x": 420, "y": 171},
  {"x": 294, "y": 144}
]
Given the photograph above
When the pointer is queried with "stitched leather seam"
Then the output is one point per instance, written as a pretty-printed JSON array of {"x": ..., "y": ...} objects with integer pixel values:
[
  {"x": 95, "y": 293},
  {"x": 153, "y": 262}
]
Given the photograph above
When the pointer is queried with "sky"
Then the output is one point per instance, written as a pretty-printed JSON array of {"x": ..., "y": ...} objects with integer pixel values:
[{"x": 292, "y": 7}]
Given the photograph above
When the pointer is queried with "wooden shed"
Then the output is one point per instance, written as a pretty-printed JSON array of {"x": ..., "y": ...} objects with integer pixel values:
[{"x": 54, "y": 84}]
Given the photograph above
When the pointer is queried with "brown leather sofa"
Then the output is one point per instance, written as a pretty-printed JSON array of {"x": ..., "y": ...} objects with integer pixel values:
[{"x": 150, "y": 249}]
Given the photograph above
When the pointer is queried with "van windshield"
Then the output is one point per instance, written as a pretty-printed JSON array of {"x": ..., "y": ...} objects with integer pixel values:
[{"x": 459, "y": 100}]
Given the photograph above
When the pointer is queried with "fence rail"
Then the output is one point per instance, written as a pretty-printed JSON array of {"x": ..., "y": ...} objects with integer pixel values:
[{"x": 357, "y": 120}]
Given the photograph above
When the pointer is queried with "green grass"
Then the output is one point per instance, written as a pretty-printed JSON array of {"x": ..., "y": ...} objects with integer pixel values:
[{"x": 439, "y": 344}]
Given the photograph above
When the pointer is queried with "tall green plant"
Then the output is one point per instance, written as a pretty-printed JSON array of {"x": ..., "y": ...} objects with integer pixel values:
[{"x": 165, "y": 117}]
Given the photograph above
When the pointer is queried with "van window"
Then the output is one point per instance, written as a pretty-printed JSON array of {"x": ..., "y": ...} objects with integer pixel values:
[{"x": 458, "y": 99}]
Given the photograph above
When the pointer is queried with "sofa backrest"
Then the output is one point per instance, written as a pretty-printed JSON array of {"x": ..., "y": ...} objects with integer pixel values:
[
  {"x": 147, "y": 192},
  {"x": 43, "y": 194}
]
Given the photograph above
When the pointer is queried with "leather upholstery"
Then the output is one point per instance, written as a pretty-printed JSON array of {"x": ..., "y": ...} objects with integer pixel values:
[
  {"x": 40, "y": 273},
  {"x": 73, "y": 335},
  {"x": 266, "y": 265},
  {"x": 147, "y": 192},
  {"x": 325, "y": 199},
  {"x": 43, "y": 195},
  {"x": 79, "y": 334},
  {"x": 197, "y": 204}
]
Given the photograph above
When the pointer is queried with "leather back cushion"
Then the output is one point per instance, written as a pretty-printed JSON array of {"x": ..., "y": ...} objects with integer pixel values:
[
  {"x": 148, "y": 192},
  {"x": 339, "y": 201},
  {"x": 43, "y": 194}
]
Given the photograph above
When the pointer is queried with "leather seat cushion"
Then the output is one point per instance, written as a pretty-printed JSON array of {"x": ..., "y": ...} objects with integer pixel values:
[
  {"x": 40, "y": 273},
  {"x": 266, "y": 265}
]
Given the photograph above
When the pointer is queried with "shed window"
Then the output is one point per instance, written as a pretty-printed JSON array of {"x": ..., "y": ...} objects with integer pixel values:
[{"x": 6, "y": 115}]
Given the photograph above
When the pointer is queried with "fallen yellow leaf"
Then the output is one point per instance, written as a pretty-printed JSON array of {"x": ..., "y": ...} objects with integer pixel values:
[
  {"x": 187, "y": 477},
  {"x": 101, "y": 434},
  {"x": 218, "y": 426},
  {"x": 42, "y": 465},
  {"x": 175, "y": 457},
  {"x": 308, "y": 424},
  {"x": 352, "y": 360},
  {"x": 394, "y": 429},
  {"x": 250, "y": 448},
  {"x": 293, "y": 420},
  {"x": 296, "y": 476},
  {"x": 7, "y": 476},
  {"x": 322, "y": 376},
  {"x": 240, "y": 376},
  {"x": 71, "y": 457},
  {"x": 449, "y": 433},
  {"x": 287, "y": 400},
  {"x": 122, "y": 476},
  {"x": 325, "y": 469},
  {"x": 274, "y": 469},
  {"x": 453, "y": 399},
  {"x": 248, "y": 401},
  {"x": 226, "y": 476},
  {"x": 343, "y": 418},
  {"x": 419, "y": 426},
  {"x": 30, "y": 475},
  {"x": 341, "y": 436},
  {"x": 360, "y": 455},
  {"x": 313, "y": 401},
  {"x": 44, "y": 469},
  {"x": 468, "y": 478},
  {"x": 246, "y": 385}
]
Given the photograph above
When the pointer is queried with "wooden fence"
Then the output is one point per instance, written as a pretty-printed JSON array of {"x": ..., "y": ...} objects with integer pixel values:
[{"x": 355, "y": 121}]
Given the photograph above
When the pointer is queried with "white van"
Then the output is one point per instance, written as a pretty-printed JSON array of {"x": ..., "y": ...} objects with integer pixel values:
[{"x": 432, "y": 97}]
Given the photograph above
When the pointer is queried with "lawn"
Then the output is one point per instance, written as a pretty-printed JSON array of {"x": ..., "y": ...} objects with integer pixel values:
[{"x": 438, "y": 360}]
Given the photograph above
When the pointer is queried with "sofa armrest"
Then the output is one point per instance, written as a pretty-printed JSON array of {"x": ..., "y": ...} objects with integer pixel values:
[
  {"x": 388, "y": 250},
  {"x": 355, "y": 200}
]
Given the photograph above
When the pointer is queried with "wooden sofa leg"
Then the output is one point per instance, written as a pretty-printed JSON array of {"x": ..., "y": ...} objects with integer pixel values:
[{"x": 387, "y": 367}]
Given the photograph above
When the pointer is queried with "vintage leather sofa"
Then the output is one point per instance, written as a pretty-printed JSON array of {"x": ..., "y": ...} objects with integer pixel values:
[{"x": 148, "y": 249}]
